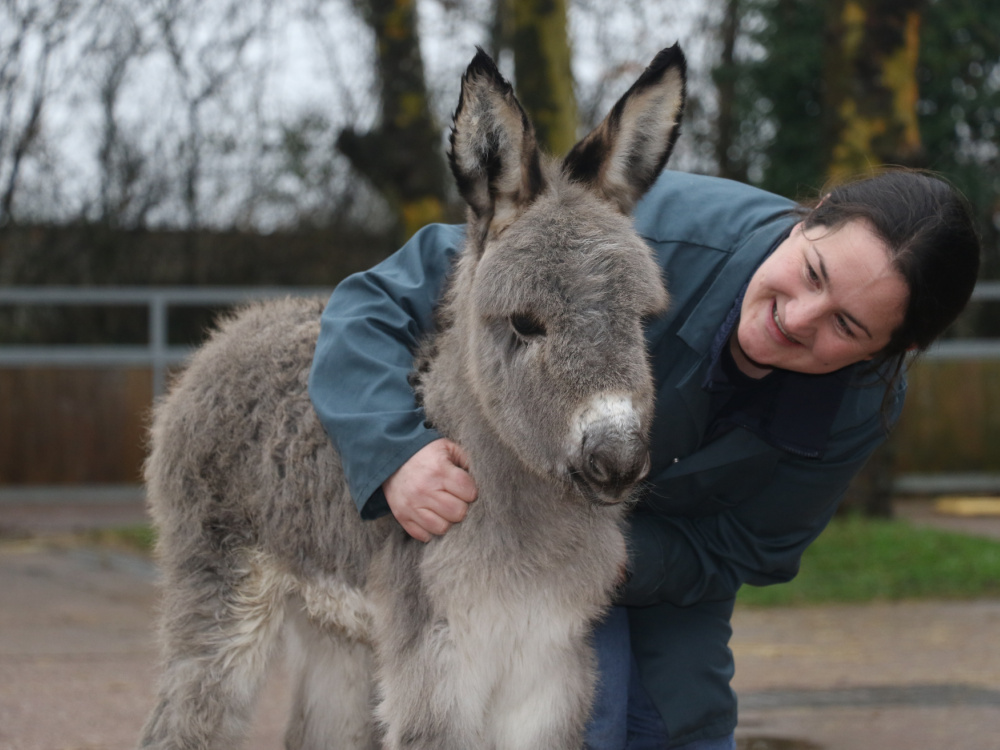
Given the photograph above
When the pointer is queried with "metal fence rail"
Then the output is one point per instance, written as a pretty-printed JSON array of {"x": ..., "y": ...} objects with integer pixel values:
[
  {"x": 159, "y": 355},
  {"x": 156, "y": 353},
  {"x": 954, "y": 349}
]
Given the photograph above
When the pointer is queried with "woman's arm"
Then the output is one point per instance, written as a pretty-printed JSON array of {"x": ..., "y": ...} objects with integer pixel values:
[
  {"x": 359, "y": 387},
  {"x": 760, "y": 540}
]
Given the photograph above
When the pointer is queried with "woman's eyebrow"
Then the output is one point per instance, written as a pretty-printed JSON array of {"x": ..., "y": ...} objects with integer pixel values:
[
  {"x": 856, "y": 322},
  {"x": 826, "y": 278}
]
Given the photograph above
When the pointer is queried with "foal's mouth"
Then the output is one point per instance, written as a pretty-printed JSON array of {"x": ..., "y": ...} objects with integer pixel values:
[{"x": 603, "y": 497}]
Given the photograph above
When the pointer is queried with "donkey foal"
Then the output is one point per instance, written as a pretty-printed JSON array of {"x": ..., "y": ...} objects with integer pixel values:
[{"x": 480, "y": 638}]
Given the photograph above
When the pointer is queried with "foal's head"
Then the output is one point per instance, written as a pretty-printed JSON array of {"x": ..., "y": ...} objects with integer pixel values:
[{"x": 554, "y": 283}]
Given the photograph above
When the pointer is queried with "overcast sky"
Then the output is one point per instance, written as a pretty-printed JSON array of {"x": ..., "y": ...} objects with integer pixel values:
[{"x": 315, "y": 57}]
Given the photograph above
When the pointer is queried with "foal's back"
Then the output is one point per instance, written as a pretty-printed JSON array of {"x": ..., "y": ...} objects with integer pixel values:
[{"x": 239, "y": 460}]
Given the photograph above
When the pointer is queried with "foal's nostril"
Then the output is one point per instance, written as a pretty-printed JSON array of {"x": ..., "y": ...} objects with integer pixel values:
[
  {"x": 609, "y": 452},
  {"x": 615, "y": 470},
  {"x": 599, "y": 471}
]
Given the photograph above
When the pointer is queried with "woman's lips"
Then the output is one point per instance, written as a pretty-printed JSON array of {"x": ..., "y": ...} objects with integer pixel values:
[{"x": 779, "y": 329}]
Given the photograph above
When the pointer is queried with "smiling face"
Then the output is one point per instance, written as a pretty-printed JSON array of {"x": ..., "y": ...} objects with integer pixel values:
[{"x": 823, "y": 300}]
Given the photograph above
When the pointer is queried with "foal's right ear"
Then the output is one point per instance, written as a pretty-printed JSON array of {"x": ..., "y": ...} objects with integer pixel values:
[
  {"x": 625, "y": 154},
  {"x": 494, "y": 155}
]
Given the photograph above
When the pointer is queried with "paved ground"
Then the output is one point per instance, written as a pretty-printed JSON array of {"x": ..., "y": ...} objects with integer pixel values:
[{"x": 77, "y": 661}]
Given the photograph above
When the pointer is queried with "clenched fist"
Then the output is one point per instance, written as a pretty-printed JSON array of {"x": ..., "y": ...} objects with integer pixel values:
[{"x": 432, "y": 490}]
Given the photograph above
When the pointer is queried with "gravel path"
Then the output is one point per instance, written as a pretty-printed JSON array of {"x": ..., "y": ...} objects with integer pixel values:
[{"x": 78, "y": 663}]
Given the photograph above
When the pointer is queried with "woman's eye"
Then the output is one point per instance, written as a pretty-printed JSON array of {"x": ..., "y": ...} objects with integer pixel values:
[
  {"x": 527, "y": 326},
  {"x": 813, "y": 276},
  {"x": 844, "y": 326}
]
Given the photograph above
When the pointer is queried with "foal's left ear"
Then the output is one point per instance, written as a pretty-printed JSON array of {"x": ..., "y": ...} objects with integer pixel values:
[
  {"x": 493, "y": 155},
  {"x": 625, "y": 154}
]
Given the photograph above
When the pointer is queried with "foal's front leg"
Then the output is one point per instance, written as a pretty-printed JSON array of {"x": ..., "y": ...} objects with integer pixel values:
[
  {"x": 332, "y": 703},
  {"x": 221, "y": 623},
  {"x": 545, "y": 698},
  {"x": 490, "y": 688},
  {"x": 430, "y": 697}
]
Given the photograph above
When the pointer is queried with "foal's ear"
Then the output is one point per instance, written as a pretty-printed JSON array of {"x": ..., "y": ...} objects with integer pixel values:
[
  {"x": 625, "y": 154},
  {"x": 493, "y": 155}
]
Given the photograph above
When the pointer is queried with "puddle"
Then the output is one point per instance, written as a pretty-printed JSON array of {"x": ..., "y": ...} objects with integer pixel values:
[
  {"x": 942, "y": 695},
  {"x": 774, "y": 743}
]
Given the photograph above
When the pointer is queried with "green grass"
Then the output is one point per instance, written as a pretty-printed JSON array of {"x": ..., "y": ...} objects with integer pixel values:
[
  {"x": 862, "y": 560},
  {"x": 138, "y": 538},
  {"x": 855, "y": 560}
]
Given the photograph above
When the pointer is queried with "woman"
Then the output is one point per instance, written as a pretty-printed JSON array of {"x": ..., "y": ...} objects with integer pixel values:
[{"x": 778, "y": 369}]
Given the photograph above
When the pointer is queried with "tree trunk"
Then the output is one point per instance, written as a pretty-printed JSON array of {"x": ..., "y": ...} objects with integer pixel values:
[
  {"x": 871, "y": 119},
  {"x": 402, "y": 158},
  {"x": 535, "y": 31},
  {"x": 725, "y": 84},
  {"x": 871, "y": 97}
]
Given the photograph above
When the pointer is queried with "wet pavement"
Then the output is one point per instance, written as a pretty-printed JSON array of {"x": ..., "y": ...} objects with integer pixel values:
[
  {"x": 916, "y": 675},
  {"x": 78, "y": 659},
  {"x": 77, "y": 652}
]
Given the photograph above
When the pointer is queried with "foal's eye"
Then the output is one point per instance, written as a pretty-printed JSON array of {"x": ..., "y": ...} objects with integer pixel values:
[{"x": 526, "y": 325}]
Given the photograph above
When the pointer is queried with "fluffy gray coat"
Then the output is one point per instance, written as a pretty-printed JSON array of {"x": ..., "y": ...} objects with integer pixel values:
[{"x": 538, "y": 369}]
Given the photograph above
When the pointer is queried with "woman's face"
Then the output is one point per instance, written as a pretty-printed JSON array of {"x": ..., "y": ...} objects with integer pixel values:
[{"x": 823, "y": 300}]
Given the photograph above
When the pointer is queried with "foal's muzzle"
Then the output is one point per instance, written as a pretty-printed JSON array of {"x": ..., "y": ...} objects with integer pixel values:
[{"x": 611, "y": 452}]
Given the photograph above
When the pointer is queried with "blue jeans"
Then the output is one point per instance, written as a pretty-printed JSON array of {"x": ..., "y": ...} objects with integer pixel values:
[{"x": 623, "y": 716}]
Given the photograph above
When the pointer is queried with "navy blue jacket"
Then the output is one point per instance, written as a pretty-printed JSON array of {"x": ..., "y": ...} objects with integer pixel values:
[{"x": 722, "y": 509}]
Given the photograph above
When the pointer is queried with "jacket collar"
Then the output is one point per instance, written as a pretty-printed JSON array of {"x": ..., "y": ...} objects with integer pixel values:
[
  {"x": 704, "y": 321},
  {"x": 702, "y": 324}
]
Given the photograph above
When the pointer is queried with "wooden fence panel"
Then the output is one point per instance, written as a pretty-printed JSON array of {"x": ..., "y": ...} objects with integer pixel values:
[
  {"x": 88, "y": 425},
  {"x": 951, "y": 421},
  {"x": 73, "y": 426}
]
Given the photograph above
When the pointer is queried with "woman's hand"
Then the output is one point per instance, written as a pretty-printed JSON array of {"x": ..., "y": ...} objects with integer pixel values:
[{"x": 432, "y": 490}]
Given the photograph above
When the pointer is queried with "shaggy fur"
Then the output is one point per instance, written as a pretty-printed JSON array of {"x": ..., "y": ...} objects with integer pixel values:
[{"x": 478, "y": 639}]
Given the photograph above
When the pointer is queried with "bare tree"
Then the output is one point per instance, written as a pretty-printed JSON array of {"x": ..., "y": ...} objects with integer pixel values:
[
  {"x": 31, "y": 32},
  {"x": 127, "y": 190},
  {"x": 725, "y": 83},
  {"x": 208, "y": 55},
  {"x": 178, "y": 113},
  {"x": 402, "y": 155},
  {"x": 537, "y": 34}
]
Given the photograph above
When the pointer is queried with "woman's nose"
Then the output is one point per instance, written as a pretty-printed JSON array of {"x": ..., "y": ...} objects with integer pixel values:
[{"x": 801, "y": 316}]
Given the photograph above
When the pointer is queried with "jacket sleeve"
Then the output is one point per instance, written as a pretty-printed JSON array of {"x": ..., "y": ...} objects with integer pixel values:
[
  {"x": 758, "y": 540},
  {"x": 358, "y": 383}
]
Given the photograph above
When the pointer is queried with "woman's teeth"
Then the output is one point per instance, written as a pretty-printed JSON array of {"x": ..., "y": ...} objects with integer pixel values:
[{"x": 774, "y": 315}]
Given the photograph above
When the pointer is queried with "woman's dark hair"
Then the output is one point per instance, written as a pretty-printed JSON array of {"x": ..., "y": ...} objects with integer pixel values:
[{"x": 928, "y": 230}]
